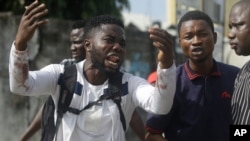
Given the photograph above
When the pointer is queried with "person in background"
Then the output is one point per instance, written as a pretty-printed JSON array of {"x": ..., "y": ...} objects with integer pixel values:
[
  {"x": 152, "y": 77},
  {"x": 201, "y": 109},
  {"x": 239, "y": 38},
  {"x": 104, "y": 42}
]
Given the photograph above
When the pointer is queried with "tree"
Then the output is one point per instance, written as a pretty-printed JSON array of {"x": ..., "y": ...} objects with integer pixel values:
[{"x": 70, "y": 9}]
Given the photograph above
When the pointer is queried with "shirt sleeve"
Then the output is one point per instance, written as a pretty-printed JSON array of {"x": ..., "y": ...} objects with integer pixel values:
[
  {"x": 25, "y": 82},
  {"x": 158, "y": 124},
  {"x": 158, "y": 99}
]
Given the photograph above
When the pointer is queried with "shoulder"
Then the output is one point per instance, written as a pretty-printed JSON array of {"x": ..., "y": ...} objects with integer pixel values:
[
  {"x": 180, "y": 69},
  {"x": 126, "y": 76},
  {"x": 246, "y": 66},
  {"x": 51, "y": 72},
  {"x": 227, "y": 67},
  {"x": 53, "y": 68},
  {"x": 67, "y": 62}
]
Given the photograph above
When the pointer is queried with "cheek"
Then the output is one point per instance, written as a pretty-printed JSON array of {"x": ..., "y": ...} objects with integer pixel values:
[
  {"x": 81, "y": 47},
  {"x": 243, "y": 34},
  {"x": 209, "y": 42},
  {"x": 185, "y": 46},
  {"x": 185, "y": 49}
]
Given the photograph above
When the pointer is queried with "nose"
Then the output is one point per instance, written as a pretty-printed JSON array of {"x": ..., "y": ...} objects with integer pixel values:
[
  {"x": 231, "y": 34},
  {"x": 72, "y": 47},
  {"x": 118, "y": 47},
  {"x": 196, "y": 40}
]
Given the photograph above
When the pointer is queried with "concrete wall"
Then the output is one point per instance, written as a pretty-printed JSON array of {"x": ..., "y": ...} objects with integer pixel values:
[{"x": 50, "y": 44}]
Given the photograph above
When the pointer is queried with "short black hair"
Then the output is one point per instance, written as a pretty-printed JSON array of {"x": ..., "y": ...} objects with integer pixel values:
[
  {"x": 78, "y": 24},
  {"x": 97, "y": 21},
  {"x": 195, "y": 15}
]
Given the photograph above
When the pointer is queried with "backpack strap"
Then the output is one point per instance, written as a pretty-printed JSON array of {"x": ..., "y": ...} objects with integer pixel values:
[
  {"x": 67, "y": 82},
  {"x": 115, "y": 88},
  {"x": 47, "y": 121},
  {"x": 114, "y": 93}
]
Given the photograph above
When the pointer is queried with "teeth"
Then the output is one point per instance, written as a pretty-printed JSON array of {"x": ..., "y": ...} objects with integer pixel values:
[
  {"x": 113, "y": 58},
  {"x": 112, "y": 62}
]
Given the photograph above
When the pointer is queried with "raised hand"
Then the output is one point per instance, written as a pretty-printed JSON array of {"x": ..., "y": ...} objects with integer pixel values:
[
  {"x": 164, "y": 42},
  {"x": 31, "y": 19}
]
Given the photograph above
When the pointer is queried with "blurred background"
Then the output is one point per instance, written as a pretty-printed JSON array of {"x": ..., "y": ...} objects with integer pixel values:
[{"x": 51, "y": 43}]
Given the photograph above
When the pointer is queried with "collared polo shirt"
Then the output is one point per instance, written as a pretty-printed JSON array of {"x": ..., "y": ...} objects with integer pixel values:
[{"x": 201, "y": 110}]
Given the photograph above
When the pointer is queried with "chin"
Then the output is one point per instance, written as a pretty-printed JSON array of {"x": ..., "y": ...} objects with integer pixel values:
[{"x": 240, "y": 53}]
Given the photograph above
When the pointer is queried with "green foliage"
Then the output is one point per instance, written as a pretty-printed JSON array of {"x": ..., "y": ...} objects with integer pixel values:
[{"x": 70, "y": 9}]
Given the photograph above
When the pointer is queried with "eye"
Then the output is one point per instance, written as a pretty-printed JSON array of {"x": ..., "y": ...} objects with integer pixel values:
[
  {"x": 188, "y": 37},
  {"x": 238, "y": 26},
  {"x": 203, "y": 34},
  {"x": 77, "y": 42},
  {"x": 109, "y": 40}
]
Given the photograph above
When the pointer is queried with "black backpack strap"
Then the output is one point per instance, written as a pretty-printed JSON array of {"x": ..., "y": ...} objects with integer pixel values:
[
  {"x": 90, "y": 104},
  {"x": 47, "y": 123},
  {"x": 114, "y": 93},
  {"x": 115, "y": 88},
  {"x": 67, "y": 82}
]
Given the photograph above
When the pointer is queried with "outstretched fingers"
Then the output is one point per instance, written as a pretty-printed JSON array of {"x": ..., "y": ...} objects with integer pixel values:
[
  {"x": 161, "y": 39},
  {"x": 164, "y": 42},
  {"x": 35, "y": 14},
  {"x": 30, "y": 7},
  {"x": 31, "y": 19}
]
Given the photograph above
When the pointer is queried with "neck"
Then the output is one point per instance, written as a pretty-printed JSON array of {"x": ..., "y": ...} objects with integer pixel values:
[
  {"x": 203, "y": 68},
  {"x": 94, "y": 75}
]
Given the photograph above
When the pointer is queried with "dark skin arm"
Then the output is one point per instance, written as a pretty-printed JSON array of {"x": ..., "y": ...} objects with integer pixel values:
[
  {"x": 137, "y": 125},
  {"x": 30, "y": 21},
  {"x": 154, "y": 137},
  {"x": 34, "y": 126},
  {"x": 164, "y": 42}
]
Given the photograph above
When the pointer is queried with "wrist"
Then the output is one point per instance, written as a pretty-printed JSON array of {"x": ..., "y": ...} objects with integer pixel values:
[{"x": 21, "y": 46}]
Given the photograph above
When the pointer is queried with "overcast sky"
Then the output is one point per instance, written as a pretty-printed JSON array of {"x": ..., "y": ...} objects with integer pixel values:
[{"x": 156, "y": 9}]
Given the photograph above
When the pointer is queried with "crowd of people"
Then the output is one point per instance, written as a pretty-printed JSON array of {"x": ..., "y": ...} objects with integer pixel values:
[{"x": 195, "y": 101}]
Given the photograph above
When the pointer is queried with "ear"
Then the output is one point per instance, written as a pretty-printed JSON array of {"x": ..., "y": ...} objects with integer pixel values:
[
  {"x": 215, "y": 37},
  {"x": 87, "y": 44},
  {"x": 179, "y": 41}
]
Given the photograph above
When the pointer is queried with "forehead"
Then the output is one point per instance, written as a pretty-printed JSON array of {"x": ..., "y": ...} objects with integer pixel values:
[
  {"x": 239, "y": 12},
  {"x": 111, "y": 30},
  {"x": 194, "y": 25}
]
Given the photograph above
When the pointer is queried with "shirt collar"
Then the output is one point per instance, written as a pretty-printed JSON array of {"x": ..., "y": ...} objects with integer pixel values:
[{"x": 192, "y": 74}]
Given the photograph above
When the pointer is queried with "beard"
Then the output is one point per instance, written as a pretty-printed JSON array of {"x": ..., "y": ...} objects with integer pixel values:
[{"x": 98, "y": 59}]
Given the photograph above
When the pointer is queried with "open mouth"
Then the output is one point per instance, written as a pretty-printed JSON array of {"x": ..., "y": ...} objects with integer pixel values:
[
  {"x": 113, "y": 59},
  {"x": 197, "y": 50},
  {"x": 73, "y": 54}
]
